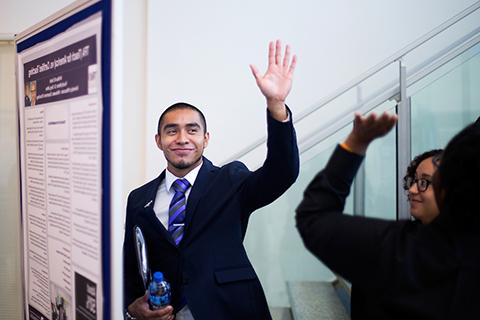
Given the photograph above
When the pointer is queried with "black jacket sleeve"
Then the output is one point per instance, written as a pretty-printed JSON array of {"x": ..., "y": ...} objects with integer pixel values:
[
  {"x": 349, "y": 245},
  {"x": 280, "y": 169}
]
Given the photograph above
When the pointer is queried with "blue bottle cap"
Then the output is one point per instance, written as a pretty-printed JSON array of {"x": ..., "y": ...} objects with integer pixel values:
[{"x": 158, "y": 276}]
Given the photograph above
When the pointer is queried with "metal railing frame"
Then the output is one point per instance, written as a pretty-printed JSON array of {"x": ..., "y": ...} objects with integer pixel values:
[
  {"x": 368, "y": 74},
  {"x": 396, "y": 90}
]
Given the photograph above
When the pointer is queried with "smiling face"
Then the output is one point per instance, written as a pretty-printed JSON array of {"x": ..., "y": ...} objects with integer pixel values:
[
  {"x": 422, "y": 203},
  {"x": 182, "y": 139}
]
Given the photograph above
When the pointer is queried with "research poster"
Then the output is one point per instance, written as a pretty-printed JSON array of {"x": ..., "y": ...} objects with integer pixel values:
[{"x": 60, "y": 110}]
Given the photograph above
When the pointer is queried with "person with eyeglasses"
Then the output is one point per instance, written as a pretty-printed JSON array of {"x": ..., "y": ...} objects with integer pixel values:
[
  {"x": 401, "y": 269},
  {"x": 418, "y": 185}
]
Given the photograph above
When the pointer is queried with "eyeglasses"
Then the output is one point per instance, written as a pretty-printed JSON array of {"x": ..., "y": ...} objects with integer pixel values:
[{"x": 422, "y": 183}]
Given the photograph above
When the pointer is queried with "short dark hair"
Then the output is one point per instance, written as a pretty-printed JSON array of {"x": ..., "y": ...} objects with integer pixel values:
[
  {"x": 412, "y": 167},
  {"x": 459, "y": 177},
  {"x": 182, "y": 105}
]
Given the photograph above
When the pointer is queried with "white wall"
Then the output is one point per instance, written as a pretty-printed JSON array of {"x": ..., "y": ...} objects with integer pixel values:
[
  {"x": 10, "y": 263},
  {"x": 128, "y": 121},
  {"x": 199, "y": 51},
  {"x": 19, "y": 15}
]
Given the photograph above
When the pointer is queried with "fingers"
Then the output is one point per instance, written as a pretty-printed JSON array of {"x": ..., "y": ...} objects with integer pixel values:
[
  {"x": 140, "y": 309},
  {"x": 368, "y": 128},
  {"x": 163, "y": 313},
  {"x": 292, "y": 66},
  {"x": 286, "y": 58},
  {"x": 255, "y": 72},
  {"x": 362, "y": 122},
  {"x": 382, "y": 123},
  {"x": 357, "y": 120},
  {"x": 275, "y": 57},
  {"x": 278, "y": 52},
  {"x": 271, "y": 53},
  {"x": 388, "y": 121},
  {"x": 370, "y": 120}
]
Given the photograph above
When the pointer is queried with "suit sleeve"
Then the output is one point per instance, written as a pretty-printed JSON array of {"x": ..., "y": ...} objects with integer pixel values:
[
  {"x": 280, "y": 169},
  {"x": 357, "y": 248}
]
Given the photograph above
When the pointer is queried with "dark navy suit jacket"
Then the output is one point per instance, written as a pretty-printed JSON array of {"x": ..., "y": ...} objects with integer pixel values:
[{"x": 210, "y": 267}]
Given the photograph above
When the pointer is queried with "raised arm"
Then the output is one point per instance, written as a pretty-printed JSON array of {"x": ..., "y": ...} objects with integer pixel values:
[
  {"x": 276, "y": 83},
  {"x": 337, "y": 239}
]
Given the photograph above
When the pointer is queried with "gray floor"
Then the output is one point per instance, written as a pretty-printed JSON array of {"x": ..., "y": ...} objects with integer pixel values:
[
  {"x": 315, "y": 300},
  {"x": 279, "y": 313}
]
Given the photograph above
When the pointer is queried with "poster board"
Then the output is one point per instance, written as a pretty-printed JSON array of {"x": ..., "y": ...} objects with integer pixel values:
[{"x": 63, "y": 81}]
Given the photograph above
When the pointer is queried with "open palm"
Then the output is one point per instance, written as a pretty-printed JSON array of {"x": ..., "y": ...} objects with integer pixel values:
[
  {"x": 371, "y": 127},
  {"x": 276, "y": 83}
]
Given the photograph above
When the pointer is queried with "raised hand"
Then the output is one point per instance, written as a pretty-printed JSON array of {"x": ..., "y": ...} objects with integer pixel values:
[
  {"x": 276, "y": 83},
  {"x": 368, "y": 128}
]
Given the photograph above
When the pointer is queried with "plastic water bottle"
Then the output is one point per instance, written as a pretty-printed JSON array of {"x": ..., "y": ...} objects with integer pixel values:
[{"x": 158, "y": 292}]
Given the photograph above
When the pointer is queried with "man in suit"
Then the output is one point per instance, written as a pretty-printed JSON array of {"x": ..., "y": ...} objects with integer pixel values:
[{"x": 194, "y": 216}]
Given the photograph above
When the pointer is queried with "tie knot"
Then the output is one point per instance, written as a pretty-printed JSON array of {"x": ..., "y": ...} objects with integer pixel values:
[{"x": 181, "y": 185}]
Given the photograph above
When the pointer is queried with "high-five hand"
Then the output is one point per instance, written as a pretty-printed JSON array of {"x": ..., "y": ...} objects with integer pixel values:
[
  {"x": 368, "y": 128},
  {"x": 276, "y": 83}
]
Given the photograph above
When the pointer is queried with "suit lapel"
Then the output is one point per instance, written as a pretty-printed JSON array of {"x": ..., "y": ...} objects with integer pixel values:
[
  {"x": 201, "y": 186},
  {"x": 150, "y": 220},
  {"x": 148, "y": 215},
  {"x": 151, "y": 192}
]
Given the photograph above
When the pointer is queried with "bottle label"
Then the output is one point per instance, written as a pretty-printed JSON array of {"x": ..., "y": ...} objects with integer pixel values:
[
  {"x": 159, "y": 301},
  {"x": 159, "y": 295}
]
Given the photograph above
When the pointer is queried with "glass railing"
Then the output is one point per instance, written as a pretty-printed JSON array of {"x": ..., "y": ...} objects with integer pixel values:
[
  {"x": 380, "y": 173},
  {"x": 272, "y": 241},
  {"x": 443, "y": 97},
  {"x": 282, "y": 257},
  {"x": 445, "y": 101},
  {"x": 442, "y": 103}
]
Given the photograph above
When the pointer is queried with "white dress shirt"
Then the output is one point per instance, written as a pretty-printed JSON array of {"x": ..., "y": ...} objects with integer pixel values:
[{"x": 165, "y": 193}]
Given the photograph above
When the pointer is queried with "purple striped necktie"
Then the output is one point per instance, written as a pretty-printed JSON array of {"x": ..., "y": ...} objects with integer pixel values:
[{"x": 176, "y": 211}]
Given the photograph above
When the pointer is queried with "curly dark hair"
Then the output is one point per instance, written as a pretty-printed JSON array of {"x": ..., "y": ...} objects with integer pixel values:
[
  {"x": 458, "y": 176},
  {"x": 412, "y": 167}
]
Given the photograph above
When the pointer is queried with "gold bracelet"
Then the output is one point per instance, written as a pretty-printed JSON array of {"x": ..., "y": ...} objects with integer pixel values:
[{"x": 346, "y": 147}]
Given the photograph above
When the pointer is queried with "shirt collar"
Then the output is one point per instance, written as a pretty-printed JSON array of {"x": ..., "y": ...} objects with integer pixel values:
[{"x": 191, "y": 176}]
